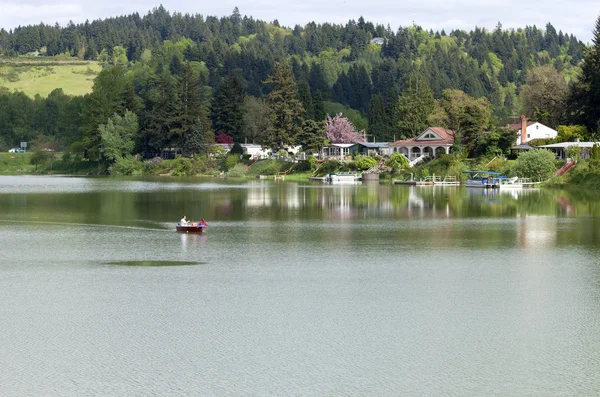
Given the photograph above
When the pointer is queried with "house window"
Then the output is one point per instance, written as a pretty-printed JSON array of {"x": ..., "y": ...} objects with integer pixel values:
[
  {"x": 537, "y": 127},
  {"x": 528, "y": 136}
]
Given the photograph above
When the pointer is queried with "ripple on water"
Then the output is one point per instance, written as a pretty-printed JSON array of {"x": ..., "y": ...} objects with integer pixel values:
[{"x": 154, "y": 263}]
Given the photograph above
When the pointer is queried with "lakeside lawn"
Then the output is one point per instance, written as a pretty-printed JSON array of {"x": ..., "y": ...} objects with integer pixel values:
[{"x": 16, "y": 163}]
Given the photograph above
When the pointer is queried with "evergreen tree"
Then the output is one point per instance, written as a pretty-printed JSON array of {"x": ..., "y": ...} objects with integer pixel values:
[
  {"x": 286, "y": 109},
  {"x": 414, "y": 106},
  {"x": 585, "y": 95},
  {"x": 306, "y": 99},
  {"x": 227, "y": 107},
  {"x": 312, "y": 136},
  {"x": 316, "y": 79},
  {"x": 200, "y": 139},
  {"x": 377, "y": 118},
  {"x": 319, "y": 107},
  {"x": 107, "y": 98}
]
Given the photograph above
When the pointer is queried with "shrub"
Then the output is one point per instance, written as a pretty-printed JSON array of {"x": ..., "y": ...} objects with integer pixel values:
[
  {"x": 238, "y": 171},
  {"x": 127, "y": 165},
  {"x": 230, "y": 161},
  {"x": 538, "y": 164},
  {"x": 398, "y": 161},
  {"x": 182, "y": 167},
  {"x": 365, "y": 162}
]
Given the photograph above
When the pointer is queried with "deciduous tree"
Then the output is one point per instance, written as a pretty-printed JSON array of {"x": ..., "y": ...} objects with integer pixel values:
[
  {"x": 119, "y": 135},
  {"x": 544, "y": 96},
  {"x": 339, "y": 129}
]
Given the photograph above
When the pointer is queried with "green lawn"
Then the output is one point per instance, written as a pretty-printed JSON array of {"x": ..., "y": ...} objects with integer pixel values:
[
  {"x": 42, "y": 77},
  {"x": 15, "y": 163}
]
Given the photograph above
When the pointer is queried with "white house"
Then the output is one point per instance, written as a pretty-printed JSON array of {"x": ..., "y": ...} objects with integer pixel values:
[
  {"x": 256, "y": 151},
  {"x": 560, "y": 149},
  {"x": 529, "y": 130}
]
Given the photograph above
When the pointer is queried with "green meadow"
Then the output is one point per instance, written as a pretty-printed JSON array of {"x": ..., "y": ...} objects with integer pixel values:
[{"x": 41, "y": 76}]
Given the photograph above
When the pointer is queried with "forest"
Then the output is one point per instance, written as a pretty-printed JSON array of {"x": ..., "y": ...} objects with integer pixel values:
[{"x": 182, "y": 81}]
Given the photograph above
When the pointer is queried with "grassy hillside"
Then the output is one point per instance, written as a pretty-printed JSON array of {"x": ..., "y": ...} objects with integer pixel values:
[{"x": 33, "y": 76}]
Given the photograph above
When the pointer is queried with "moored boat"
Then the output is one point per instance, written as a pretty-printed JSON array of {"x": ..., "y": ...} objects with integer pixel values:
[
  {"x": 484, "y": 179},
  {"x": 342, "y": 177}
]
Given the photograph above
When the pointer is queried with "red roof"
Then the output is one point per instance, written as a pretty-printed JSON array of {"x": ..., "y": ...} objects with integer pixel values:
[
  {"x": 446, "y": 135},
  {"x": 517, "y": 126}
]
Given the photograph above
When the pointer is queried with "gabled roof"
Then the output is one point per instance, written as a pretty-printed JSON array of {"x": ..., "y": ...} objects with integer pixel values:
[
  {"x": 443, "y": 137},
  {"x": 517, "y": 126}
]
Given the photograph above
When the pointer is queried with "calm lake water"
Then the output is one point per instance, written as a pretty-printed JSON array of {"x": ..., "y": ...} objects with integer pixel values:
[{"x": 300, "y": 289}]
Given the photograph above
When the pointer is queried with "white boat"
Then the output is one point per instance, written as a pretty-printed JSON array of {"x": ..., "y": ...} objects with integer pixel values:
[
  {"x": 514, "y": 183},
  {"x": 342, "y": 177}
]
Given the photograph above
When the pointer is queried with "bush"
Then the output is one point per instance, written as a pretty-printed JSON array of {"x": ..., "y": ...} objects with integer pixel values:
[
  {"x": 538, "y": 164},
  {"x": 230, "y": 161},
  {"x": 365, "y": 162},
  {"x": 238, "y": 171},
  {"x": 182, "y": 167},
  {"x": 127, "y": 165},
  {"x": 398, "y": 161}
]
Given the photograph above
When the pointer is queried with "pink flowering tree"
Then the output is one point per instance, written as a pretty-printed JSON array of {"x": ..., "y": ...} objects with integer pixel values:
[
  {"x": 340, "y": 130},
  {"x": 222, "y": 137}
]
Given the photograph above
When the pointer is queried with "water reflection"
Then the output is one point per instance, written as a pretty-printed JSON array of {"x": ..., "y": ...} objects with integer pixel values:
[
  {"x": 193, "y": 242},
  {"x": 306, "y": 286}
]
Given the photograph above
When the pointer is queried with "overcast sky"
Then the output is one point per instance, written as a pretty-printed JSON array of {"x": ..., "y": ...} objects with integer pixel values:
[{"x": 576, "y": 16}]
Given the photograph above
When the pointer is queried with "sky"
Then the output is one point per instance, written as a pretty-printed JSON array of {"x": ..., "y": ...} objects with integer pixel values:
[{"x": 574, "y": 17}]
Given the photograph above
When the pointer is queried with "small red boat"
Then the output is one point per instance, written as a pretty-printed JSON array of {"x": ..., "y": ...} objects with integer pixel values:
[{"x": 192, "y": 228}]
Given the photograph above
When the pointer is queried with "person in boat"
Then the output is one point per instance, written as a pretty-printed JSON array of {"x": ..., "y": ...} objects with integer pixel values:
[
  {"x": 183, "y": 221},
  {"x": 202, "y": 223}
]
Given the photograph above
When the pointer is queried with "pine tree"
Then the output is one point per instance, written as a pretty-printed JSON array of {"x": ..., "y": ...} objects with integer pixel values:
[
  {"x": 319, "y": 107},
  {"x": 286, "y": 109},
  {"x": 312, "y": 136},
  {"x": 227, "y": 107},
  {"x": 199, "y": 139},
  {"x": 107, "y": 98},
  {"x": 306, "y": 99},
  {"x": 585, "y": 95},
  {"x": 376, "y": 117},
  {"x": 414, "y": 106}
]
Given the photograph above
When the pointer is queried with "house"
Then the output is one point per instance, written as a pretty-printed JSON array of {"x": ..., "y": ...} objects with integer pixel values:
[
  {"x": 560, "y": 149},
  {"x": 377, "y": 40},
  {"x": 370, "y": 148},
  {"x": 530, "y": 130},
  {"x": 256, "y": 151},
  {"x": 430, "y": 143},
  {"x": 336, "y": 150}
]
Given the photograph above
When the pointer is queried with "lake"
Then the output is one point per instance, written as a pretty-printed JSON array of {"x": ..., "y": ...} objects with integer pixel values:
[{"x": 296, "y": 289}]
